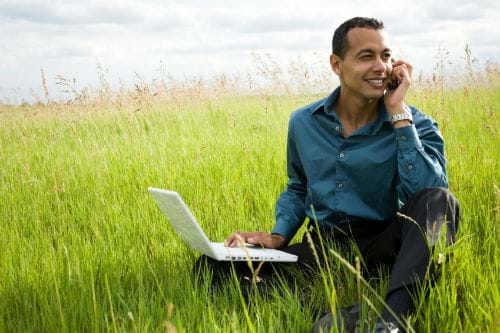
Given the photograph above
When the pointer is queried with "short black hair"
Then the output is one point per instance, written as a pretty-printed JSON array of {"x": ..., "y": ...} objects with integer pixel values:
[{"x": 340, "y": 43}]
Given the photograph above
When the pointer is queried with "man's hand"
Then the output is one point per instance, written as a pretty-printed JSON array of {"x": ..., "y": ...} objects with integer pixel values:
[
  {"x": 394, "y": 99},
  {"x": 257, "y": 238}
]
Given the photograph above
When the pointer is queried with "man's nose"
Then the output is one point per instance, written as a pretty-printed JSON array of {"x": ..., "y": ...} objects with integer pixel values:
[{"x": 380, "y": 65}]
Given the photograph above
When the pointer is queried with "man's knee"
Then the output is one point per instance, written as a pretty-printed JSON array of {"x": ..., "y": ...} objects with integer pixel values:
[
  {"x": 437, "y": 201},
  {"x": 435, "y": 195},
  {"x": 434, "y": 209}
]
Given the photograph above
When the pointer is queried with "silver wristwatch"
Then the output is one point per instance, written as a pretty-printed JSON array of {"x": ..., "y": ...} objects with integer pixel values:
[{"x": 402, "y": 116}]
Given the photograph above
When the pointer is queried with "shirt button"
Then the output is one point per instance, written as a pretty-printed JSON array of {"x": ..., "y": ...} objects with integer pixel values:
[
  {"x": 341, "y": 155},
  {"x": 340, "y": 185},
  {"x": 337, "y": 128},
  {"x": 410, "y": 167},
  {"x": 403, "y": 137}
]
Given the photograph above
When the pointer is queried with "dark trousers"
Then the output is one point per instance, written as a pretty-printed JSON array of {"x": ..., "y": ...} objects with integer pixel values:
[{"x": 403, "y": 245}]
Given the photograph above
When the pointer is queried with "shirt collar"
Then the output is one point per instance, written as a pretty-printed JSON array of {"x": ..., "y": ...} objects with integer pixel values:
[{"x": 327, "y": 103}]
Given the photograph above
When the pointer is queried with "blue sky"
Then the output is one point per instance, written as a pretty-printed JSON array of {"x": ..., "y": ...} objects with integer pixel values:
[{"x": 206, "y": 37}]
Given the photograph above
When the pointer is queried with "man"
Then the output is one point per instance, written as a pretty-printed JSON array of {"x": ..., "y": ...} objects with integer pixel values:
[{"x": 369, "y": 169}]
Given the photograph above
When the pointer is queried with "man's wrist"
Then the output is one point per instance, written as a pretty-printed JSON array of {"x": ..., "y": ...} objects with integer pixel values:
[
  {"x": 282, "y": 239},
  {"x": 401, "y": 117},
  {"x": 401, "y": 123}
]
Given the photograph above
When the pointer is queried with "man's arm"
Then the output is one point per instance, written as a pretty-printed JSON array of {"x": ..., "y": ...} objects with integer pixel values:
[
  {"x": 421, "y": 161},
  {"x": 290, "y": 211},
  {"x": 290, "y": 207}
]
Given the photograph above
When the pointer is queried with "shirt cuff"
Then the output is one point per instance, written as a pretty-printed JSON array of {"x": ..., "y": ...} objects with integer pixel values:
[
  {"x": 407, "y": 138},
  {"x": 284, "y": 229}
]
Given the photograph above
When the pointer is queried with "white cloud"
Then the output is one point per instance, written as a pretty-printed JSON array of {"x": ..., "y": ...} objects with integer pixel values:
[
  {"x": 68, "y": 13},
  {"x": 272, "y": 19},
  {"x": 199, "y": 37},
  {"x": 88, "y": 12}
]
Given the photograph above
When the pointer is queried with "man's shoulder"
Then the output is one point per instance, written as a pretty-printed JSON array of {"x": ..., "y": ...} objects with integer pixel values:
[{"x": 303, "y": 113}]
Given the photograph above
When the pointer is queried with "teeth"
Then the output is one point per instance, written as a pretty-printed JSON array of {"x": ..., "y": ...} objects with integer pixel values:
[{"x": 375, "y": 81}]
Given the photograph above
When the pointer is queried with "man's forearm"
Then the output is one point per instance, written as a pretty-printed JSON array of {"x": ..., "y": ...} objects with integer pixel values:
[
  {"x": 421, "y": 162},
  {"x": 290, "y": 213}
]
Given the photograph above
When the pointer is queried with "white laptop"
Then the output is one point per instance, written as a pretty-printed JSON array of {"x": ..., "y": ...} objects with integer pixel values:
[{"x": 185, "y": 225}]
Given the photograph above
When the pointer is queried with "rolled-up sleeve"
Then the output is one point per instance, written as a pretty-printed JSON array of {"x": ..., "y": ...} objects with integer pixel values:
[
  {"x": 290, "y": 207},
  {"x": 421, "y": 159}
]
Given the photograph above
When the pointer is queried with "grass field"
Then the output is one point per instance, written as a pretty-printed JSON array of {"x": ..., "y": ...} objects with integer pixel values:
[{"x": 83, "y": 246}]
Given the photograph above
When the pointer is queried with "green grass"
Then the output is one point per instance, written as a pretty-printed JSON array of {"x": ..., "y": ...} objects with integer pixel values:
[{"x": 83, "y": 246}]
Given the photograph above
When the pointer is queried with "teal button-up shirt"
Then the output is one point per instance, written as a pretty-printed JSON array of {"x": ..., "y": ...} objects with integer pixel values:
[{"x": 365, "y": 176}]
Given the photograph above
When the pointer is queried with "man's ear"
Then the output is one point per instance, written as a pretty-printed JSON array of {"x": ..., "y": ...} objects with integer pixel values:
[{"x": 335, "y": 63}]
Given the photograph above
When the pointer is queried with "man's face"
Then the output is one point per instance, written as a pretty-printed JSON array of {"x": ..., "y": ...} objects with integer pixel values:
[{"x": 366, "y": 68}]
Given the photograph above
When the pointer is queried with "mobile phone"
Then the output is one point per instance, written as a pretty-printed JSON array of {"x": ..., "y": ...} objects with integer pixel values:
[{"x": 393, "y": 84}]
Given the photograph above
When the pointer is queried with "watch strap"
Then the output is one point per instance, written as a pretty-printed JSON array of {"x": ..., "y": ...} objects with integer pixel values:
[{"x": 406, "y": 115}]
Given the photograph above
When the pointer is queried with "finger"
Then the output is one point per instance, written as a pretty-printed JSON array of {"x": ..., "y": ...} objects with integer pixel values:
[
  {"x": 399, "y": 62},
  {"x": 405, "y": 74},
  {"x": 396, "y": 64},
  {"x": 395, "y": 70},
  {"x": 409, "y": 69},
  {"x": 233, "y": 243},
  {"x": 239, "y": 239},
  {"x": 400, "y": 72},
  {"x": 229, "y": 242},
  {"x": 233, "y": 240},
  {"x": 267, "y": 241},
  {"x": 229, "y": 239},
  {"x": 261, "y": 240}
]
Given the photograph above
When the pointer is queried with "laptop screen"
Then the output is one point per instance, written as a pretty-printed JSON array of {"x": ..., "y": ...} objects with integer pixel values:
[{"x": 179, "y": 216}]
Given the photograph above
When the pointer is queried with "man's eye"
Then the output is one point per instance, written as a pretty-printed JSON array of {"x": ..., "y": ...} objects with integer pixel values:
[{"x": 366, "y": 56}]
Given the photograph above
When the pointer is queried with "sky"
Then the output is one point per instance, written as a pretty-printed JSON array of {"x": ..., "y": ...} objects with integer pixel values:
[{"x": 201, "y": 38}]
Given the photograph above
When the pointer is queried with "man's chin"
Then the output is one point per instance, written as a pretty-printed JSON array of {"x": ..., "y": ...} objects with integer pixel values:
[{"x": 375, "y": 95}]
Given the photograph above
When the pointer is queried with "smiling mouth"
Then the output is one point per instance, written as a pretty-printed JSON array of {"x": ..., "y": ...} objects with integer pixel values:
[{"x": 375, "y": 81}]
